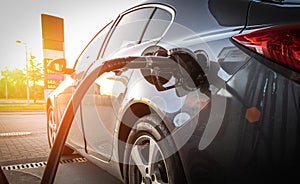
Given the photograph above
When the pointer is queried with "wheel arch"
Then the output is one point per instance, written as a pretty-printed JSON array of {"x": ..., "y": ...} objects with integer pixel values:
[{"x": 132, "y": 114}]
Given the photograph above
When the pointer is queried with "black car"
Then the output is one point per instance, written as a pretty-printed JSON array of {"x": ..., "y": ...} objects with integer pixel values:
[{"x": 192, "y": 91}]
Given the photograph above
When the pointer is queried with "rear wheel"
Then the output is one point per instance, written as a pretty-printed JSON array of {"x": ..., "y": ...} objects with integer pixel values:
[
  {"x": 147, "y": 158},
  {"x": 52, "y": 128}
]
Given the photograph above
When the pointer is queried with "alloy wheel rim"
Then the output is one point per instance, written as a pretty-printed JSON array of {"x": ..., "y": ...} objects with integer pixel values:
[
  {"x": 147, "y": 162},
  {"x": 52, "y": 128}
]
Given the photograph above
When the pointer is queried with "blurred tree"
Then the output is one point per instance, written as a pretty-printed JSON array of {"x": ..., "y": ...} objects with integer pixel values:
[
  {"x": 15, "y": 83},
  {"x": 4, "y": 84},
  {"x": 36, "y": 76}
]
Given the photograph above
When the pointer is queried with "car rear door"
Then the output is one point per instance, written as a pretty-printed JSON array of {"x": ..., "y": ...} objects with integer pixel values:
[
  {"x": 84, "y": 61},
  {"x": 99, "y": 107}
]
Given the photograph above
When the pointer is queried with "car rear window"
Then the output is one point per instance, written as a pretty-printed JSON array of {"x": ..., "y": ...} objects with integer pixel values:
[
  {"x": 129, "y": 30},
  {"x": 158, "y": 24}
]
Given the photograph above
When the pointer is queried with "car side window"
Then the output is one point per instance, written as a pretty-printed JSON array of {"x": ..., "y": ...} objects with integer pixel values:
[
  {"x": 91, "y": 52},
  {"x": 158, "y": 24},
  {"x": 129, "y": 30}
]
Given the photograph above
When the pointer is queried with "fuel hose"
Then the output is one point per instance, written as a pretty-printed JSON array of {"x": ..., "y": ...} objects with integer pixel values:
[{"x": 74, "y": 102}]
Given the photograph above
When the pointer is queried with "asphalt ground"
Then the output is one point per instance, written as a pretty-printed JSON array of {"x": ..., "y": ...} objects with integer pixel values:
[
  {"x": 24, "y": 152},
  {"x": 23, "y": 137},
  {"x": 23, "y": 140}
]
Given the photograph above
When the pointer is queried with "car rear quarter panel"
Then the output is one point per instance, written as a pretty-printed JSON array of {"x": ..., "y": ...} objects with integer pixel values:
[{"x": 259, "y": 137}]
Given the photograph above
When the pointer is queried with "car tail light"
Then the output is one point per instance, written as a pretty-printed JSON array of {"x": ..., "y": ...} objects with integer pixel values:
[{"x": 278, "y": 43}]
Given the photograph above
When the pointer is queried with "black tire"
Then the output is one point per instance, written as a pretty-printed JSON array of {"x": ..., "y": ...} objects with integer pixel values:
[
  {"x": 52, "y": 127},
  {"x": 145, "y": 139}
]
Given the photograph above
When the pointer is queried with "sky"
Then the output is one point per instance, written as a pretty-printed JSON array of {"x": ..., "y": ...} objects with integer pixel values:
[{"x": 21, "y": 20}]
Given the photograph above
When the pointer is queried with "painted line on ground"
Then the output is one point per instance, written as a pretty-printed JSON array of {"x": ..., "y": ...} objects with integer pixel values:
[
  {"x": 40, "y": 164},
  {"x": 10, "y": 134}
]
